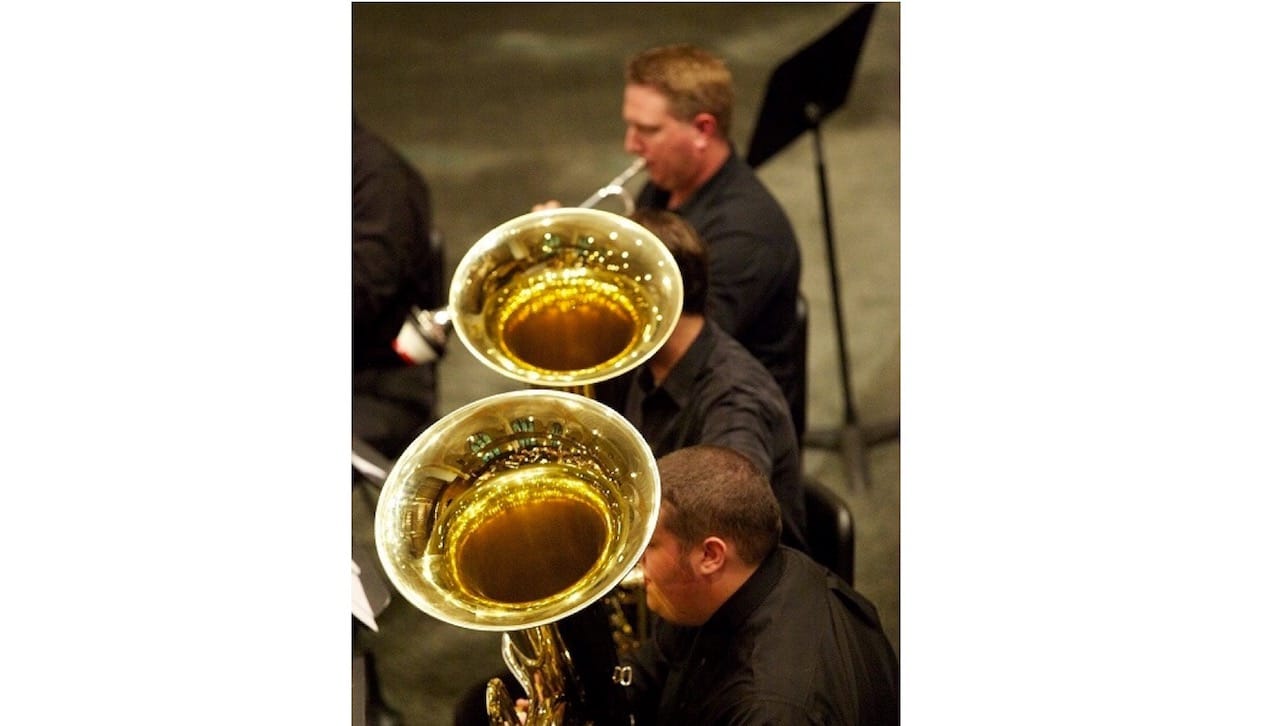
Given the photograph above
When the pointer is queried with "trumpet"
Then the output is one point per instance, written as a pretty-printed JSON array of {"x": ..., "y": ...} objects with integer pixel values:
[{"x": 424, "y": 334}]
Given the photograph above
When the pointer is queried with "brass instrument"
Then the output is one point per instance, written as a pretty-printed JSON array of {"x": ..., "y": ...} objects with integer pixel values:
[
  {"x": 615, "y": 188},
  {"x": 523, "y": 508},
  {"x": 565, "y": 297},
  {"x": 513, "y": 512},
  {"x": 423, "y": 335}
]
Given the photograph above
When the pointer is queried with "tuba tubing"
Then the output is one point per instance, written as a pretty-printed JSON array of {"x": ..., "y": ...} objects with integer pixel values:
[{"x": 615, "y": 188}]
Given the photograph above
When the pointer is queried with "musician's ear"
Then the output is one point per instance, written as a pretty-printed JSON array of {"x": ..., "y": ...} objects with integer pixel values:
[
  {"x": 713, "y": 556},
  {"x": 706, "y": 126}
]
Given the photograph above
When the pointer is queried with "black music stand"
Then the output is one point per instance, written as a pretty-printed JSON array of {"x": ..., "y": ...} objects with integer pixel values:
[{"x": 802, "y": 91}]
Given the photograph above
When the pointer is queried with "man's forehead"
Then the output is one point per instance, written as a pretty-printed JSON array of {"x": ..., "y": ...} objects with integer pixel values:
[
  {"x": 644, "y": 100},
  {"x": 661, "y": 530}
]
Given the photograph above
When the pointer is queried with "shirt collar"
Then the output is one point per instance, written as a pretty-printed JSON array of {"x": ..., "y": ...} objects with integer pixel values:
[
  {"x": 679, "y": 385},
  {"x": 727, "y": 170},
  {"x": 735, "y": 611}
]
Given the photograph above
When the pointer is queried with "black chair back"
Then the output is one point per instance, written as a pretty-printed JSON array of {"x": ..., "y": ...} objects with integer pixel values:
[{"x": 829, "y": 526}]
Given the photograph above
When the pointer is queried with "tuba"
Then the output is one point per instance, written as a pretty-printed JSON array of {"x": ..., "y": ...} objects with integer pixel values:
[
  {"x": 565, "y": 297},
  {"x": 523, "y": 508}
]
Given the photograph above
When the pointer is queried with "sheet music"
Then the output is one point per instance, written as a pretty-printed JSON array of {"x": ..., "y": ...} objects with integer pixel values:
[{"x": 362, "y": 608}]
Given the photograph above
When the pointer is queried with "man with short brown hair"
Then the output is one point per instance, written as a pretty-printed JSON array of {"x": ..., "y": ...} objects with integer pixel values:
[{"x": 750, "y": 631}]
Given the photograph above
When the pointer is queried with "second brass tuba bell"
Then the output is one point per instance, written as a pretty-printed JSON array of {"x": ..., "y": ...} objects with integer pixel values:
[{"x": 517, "y": 510}]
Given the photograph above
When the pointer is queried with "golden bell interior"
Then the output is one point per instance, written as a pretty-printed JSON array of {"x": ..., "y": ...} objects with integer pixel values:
[
  {"x": 565, "y": 297},
  {"x": 517, "y": 510}
]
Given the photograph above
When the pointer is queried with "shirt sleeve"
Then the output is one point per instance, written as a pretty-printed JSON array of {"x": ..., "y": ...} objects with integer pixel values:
[
  {"x": 738, "y": 421},
  {"x": 743, "y": 275},
  {"x": 383, "y": 228}
]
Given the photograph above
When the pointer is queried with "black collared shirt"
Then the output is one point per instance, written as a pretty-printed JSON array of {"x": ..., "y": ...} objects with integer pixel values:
[
  {"x": 719, "y": 394},
  {"x": 754, "y": 271},
  {"x": 794, "y": 645}
]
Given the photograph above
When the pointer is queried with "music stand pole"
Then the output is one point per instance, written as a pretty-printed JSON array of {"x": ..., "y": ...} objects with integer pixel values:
[
  {"x": 847, "y": 400},
  {"x": 850, "y": 442}
]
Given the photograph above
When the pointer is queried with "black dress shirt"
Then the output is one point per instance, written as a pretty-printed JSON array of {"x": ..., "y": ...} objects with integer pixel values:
[
  {"x": 794, "y": 645},
  {"x": 754, "y": 270},
  {"x": 719, "y": 394}
]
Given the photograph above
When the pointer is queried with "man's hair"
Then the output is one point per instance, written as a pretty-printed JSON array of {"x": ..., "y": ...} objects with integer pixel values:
[
  {"x": 692, "y": 79},
  {"x": 715, "y": 491},
  {"x": 687, "y": 249}
]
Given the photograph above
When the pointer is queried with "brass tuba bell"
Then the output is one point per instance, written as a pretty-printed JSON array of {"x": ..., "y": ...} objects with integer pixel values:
[
  {"x": 565, "y": 297},
  {"x": 517, "y": 510}
]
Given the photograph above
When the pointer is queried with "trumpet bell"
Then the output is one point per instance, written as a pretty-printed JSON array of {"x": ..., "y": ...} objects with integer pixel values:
[
  {"x": 566, "y": 297},
  {"x": 517, "y": 510}
]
